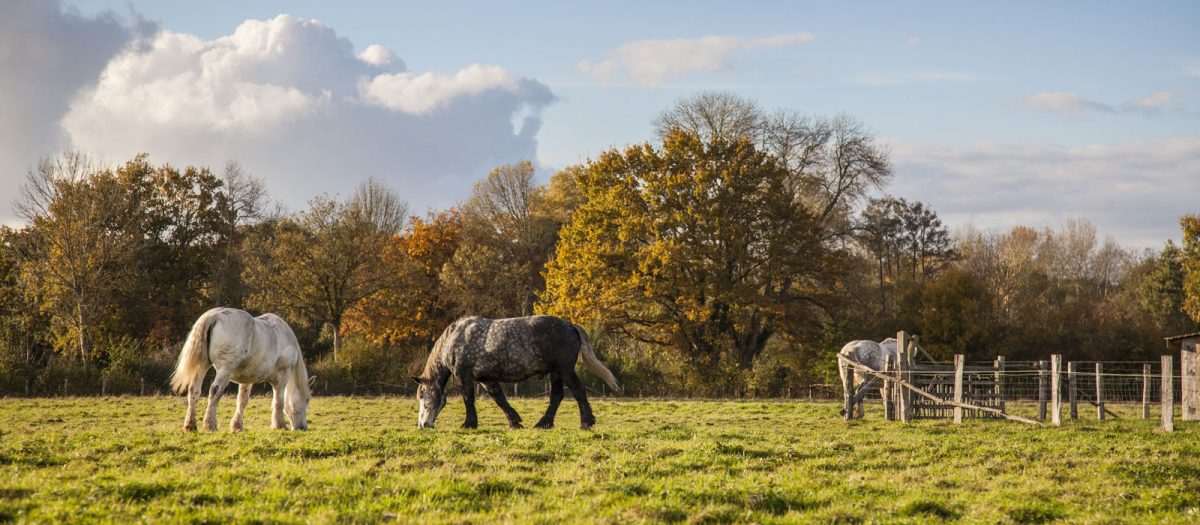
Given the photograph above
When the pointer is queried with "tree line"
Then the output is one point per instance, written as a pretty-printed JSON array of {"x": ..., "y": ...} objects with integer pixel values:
[{"x": 731, "y": 256}]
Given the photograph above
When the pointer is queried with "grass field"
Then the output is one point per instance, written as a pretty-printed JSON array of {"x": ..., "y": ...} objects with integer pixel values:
[{"x": 125, "y": 459}]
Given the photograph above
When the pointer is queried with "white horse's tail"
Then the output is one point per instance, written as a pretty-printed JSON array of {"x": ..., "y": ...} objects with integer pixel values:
[
  {"x": 193, "y": 358},
  {"x": 592, "y": 363}
]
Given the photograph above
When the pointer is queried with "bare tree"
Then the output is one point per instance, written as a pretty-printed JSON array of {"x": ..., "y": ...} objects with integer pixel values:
[
  {"x": 713, "y": 115},
  {"x": 832, "y": 162},
  {"x": 244, "y": 201},
  {"x": 321, "y": 263},
  {"x": 76, "y": 244},
  {"x": 379, "y": 205}
]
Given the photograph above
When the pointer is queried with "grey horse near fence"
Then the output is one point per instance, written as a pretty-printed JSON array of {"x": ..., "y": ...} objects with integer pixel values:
[
  {"x": 492, "y": 351},
  {"x": 869, "y": 354}
]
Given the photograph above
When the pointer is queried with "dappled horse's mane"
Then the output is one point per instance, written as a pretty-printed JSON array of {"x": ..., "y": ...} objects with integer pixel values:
[{"x": 431, "y": 362}]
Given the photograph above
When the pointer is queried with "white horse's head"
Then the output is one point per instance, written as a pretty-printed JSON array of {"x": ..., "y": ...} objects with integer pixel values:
[
  {"x": 431, "y": 397},
  {"x": 296, "y": 397}
]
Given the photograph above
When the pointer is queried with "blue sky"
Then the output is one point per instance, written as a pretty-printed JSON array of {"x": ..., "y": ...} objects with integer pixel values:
[{"x": 998, "y": 113}]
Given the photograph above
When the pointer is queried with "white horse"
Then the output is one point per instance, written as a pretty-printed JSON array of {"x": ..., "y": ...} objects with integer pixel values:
[
  {"x": 246, "y": 350},
  {"x": 870, "y": 354}
]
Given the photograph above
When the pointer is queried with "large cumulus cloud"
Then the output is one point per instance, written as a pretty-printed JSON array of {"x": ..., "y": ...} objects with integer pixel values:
[
  {"x": 48, "y": 52},
  {"x": 292, "y": 102}
]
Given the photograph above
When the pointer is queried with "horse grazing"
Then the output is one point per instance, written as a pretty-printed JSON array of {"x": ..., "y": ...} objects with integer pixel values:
[
  {"x": 492, "y": 351},
  {"x": 246, "y": 350},
  {"x": 869, "y": 354}
]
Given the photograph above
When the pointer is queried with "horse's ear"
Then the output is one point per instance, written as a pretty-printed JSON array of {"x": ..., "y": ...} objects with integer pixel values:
[
  {"x": 311, "y": 381},
  {"x": 418, "y": 380}
]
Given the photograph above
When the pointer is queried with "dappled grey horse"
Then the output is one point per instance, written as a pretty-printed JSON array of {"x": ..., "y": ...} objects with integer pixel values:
[
  {"x": 870, "y": 354},
  {"x": 494, "y": 351}
]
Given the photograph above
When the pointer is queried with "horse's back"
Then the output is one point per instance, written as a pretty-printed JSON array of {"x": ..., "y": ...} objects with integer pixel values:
[{"x": 516, "y": 348}]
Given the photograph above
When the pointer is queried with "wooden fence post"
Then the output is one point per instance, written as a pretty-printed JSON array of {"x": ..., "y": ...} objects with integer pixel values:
[
  {"x": 1055, "y": 390},
  {"x": 1100, "y": 391},
  {"x": 1041, "y": 390},
  {"x": 999, "y": 379},
  {"x": 1168, "y": 395},
  {"x": 905, "y": 370},
  {"x": 1072, "y": 389},
  {"x": 848, "y": 392},
  {"x": 889, "y": 402},
  {"x": 1146, "y": 391},
  {"x": 1189, "y": 391},
  {"x": 958, "y": 387}
]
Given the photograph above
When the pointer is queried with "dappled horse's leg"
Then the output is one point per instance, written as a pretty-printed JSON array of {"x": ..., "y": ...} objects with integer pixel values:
[
  {"x": 214, "y": 395},
  {"x": 466, "y": 383},
  {"x": 586, "y": 419},
  {"x": 189, "y": 420},
  {"x": 497, "y": 392},
  {"x": 235, "y": 424},
  {"x": 556, "y": 397},
  {"x": 277, "y": 421}
]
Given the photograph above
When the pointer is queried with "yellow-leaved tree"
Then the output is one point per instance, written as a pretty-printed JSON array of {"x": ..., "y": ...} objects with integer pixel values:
[{"x": 701, "y": 245}]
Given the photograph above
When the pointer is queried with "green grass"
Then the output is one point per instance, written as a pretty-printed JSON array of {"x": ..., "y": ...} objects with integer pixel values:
[{"x": 125, "y": 460}]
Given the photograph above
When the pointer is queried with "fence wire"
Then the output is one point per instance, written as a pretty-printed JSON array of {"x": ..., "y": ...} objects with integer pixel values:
[{"x": 1125, "y": 389}]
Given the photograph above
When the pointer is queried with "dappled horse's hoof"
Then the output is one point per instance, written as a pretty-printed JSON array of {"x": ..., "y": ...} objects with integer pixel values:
[
  {"x": 189, "y": 427},
  {"x": 586, "y": 426},
  {"x": 544, "y": 424},
  {"x": 469, "y": 425},
  {"x": 516, "y": 425}
]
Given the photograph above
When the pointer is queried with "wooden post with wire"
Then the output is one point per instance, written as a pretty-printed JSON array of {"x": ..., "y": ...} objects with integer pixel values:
[
  {"x": 889, "y": 401},
  {"x": 1146, "y": 391},
  {"x": 998, "y": 376},
  {"x": 1189, "y": 381},
  {"x": 848, "y": 392},
  {"x": 904, "y": 364},
  {"x": 1072, "y": 389},
  {"x": 1100, "y": 391},
  {"x": 1055, "y": 391},
  {"x": 1168, "y": 394},
  {"x": 1041, "y": 390},
  {"x": 958, "y": 387}
]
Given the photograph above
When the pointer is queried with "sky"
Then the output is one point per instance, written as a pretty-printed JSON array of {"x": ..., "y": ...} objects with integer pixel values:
[{"x": 996, "y": 113}]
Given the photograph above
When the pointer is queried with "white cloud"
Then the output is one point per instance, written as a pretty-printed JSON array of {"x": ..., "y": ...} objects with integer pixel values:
[
  {"x": 1069, "y": 104},
  {"x": 377, "y": 55},
  {"x": 653, "y": 62},
  {"x": 47, "y": 54},
  {"x": 913, "y": 41},
  {"x": 421, "y": 94},
  {"x": 292, "y": 102},
  {"x": 914, "y": 77},
  {"x": 1074, "y": 105},
  {"x": 1136, "y": 191}
]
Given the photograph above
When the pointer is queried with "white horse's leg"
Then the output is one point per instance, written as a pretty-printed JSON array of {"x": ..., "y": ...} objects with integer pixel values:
[
  {"x": 193, "y": 393},
  {"x": 277, "y": 421},
  {"x": 214, "y": 395},
  {"x": 235, "y": 424}
]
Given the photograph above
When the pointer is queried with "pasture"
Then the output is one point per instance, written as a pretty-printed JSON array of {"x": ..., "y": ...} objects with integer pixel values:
[{"x": 363, "y": 461}]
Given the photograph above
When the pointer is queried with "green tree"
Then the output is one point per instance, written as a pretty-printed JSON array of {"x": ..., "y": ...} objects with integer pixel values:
[
  {"x": 76, "y": 249},
  {"x": 1191, "y": 265},
  {"x": 699, "y": 246},
  {"x": 1161, "y": 289},
  {"x": 318, "y": 265},
  {"x": 507, "y": 236}
]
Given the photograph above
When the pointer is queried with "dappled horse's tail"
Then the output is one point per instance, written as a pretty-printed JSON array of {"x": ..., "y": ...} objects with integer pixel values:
[
  {"x": 193, "y": 358},
  {"x": 591, "y": 363}
]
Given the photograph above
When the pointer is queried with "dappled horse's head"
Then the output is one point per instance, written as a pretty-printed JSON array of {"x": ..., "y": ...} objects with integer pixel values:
[{"x": 431, "y": 399}]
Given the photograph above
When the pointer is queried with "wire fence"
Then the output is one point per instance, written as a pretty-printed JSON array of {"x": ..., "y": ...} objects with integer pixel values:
[{"x": 1086, "y": 389}]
